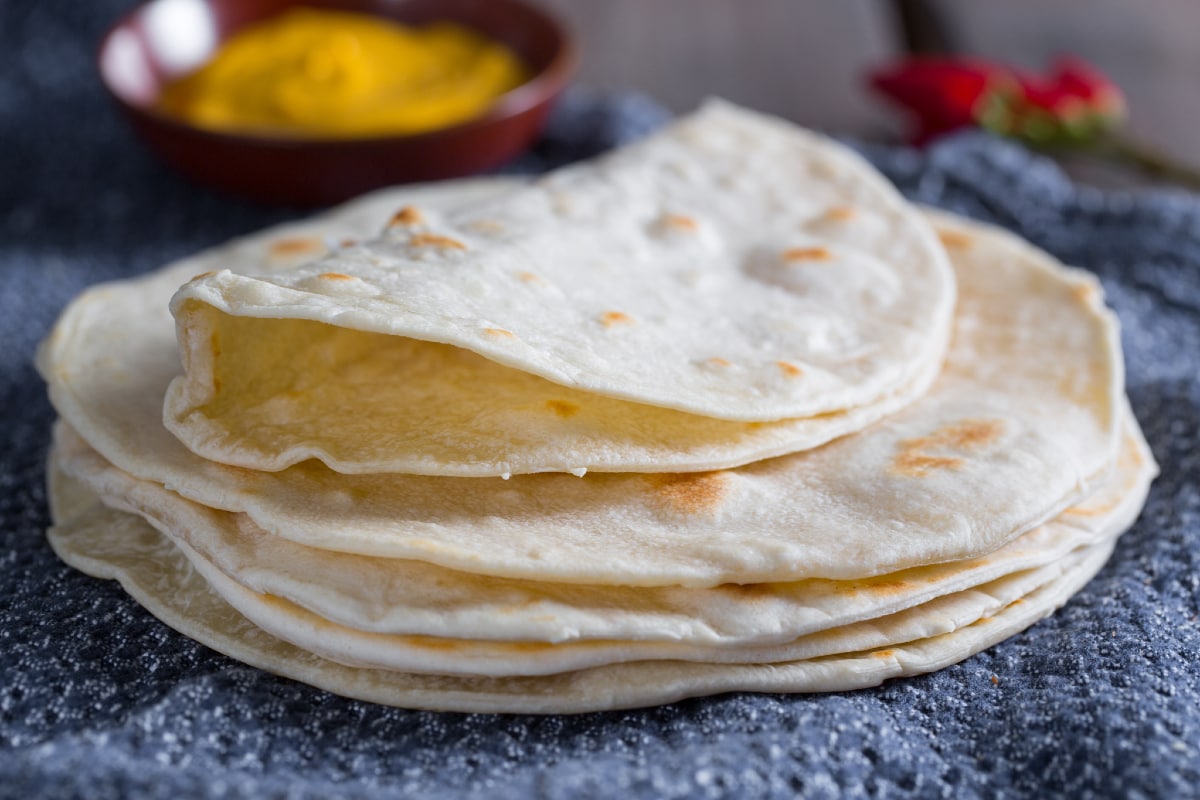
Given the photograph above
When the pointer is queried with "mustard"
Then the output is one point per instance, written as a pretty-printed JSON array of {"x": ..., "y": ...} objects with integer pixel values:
[{"x": 316, "y": 73}]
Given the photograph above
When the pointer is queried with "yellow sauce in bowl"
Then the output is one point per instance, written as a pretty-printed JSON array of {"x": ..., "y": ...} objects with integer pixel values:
[{"x": 316, "y": 73}]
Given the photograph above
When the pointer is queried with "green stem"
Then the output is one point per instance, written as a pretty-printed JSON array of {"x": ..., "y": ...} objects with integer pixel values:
[{"x": 1147, "y": 158}]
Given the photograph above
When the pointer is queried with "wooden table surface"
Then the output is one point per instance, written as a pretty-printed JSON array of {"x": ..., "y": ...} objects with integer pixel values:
[{"x": 805, "y": 59}]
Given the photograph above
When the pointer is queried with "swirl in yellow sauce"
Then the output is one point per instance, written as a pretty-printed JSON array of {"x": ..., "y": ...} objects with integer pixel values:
[{"x": 316, "y": 73}]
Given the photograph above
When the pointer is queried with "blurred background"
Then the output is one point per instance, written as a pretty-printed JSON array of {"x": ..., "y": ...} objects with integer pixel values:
[{"x": 805, "y": 59}]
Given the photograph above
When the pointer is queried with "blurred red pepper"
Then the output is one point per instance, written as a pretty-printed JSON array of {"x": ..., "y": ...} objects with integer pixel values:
[
  {"x": 1073, "y": 108},
  {"x": 1074, "y": 103}
]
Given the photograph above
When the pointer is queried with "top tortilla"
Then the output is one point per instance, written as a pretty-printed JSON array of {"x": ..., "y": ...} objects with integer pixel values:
[{"x": 733, "y": 267}]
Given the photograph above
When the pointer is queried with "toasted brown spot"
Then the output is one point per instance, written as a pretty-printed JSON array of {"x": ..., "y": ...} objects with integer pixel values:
[
  {"x": 789, "y": 369},
  {"x": 1085, "y": 511},
  {"x": 214, "y": 344},
  {"x": 409, "y": 215},
  {"x": 203, "y": 275},
  {"x": 522, "y": 605},
  {"x": 452, "y": 645},
  {"x": 1019, "y": 601},
  {"x": 1132, "y": 456},
  {"x": 296, "y": 246},
  {"x": 1085, "y": 292},
  {"x": 243, "y": 474},
  {"x": 881, "y": 588},
  {"x": 919, "y": 464},
  {"x": 922, "y": 455},
  {"x": 883, "y": 654},
  {"x": 692, "y": 492},
  {"x": 840, "y": 213},
  {"x": 562, "y": 408},
  {"x": 967, "y": 434},
  {"x": 717, "y": 361},
  {"x": 348, "y": 242},
  {"x": 486, "y": 226},
  {"x": 529, "y": 277},
  {"x": 680, "y": 221},
  {"x": 500, "y": 333},
  {"x": 795, "y": 254},
  {"x": 955, "y": 239},
  {"x": 610, "y": 318},
  {"x": 335, "y": 276},
  {"x": 748, "y": 591},
  {"x": 433, "y": 240}
]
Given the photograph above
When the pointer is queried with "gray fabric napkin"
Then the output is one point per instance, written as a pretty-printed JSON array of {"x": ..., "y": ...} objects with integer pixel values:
[{"x": 99, "y": 700}]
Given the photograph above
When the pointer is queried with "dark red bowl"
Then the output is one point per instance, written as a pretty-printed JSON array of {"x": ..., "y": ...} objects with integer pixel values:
[{"x": 164, "y": 39}]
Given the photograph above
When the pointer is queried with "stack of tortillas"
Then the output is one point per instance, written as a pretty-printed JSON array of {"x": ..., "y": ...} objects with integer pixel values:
[{"x": 716, "y": 412}]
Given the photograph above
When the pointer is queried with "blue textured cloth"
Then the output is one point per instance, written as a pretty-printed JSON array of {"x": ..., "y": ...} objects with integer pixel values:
[{"x": 97, "y": 699}]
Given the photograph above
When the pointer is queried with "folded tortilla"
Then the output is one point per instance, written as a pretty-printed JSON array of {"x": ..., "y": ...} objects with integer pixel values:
[{"x": 645, "y": 311}]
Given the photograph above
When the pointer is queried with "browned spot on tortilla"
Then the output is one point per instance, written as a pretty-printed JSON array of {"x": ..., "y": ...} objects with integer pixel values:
[
  {"x": 434, "y": 240},
  {"x": 955, "y": 239},
  {"x": 717, "y": 361},
  {"x": 691, "y": 492},
  {"x": 1132, "y": 455},
  {"x": 529, "y": 277},
  {"x": 680, "y": 221},
  {"x": 452, "y": 645},
  {"x": 789, "y": 369},
  {"x": 918, "y": 464},
  {"x": 500, "y": 333},
  {"x": 335, "y": 276},
  {"x": 1085, "y": 292},
  {"x": 1089, "y": 511},
  {"x": 216, "y": 385},
  {"x": 883, "y": 654},
  {"x": 296, "y": 246},
  {"x": 747, "y": 590},
  {"x": 611, "y": 318},
  {"x": 486, "y": 226},
  {"x": 409, "y": 215},
  {"x": 243, "y": 474},
  {"x": 841, "y": 213},
  {"x": 967, "y": 434},
  {"x": 1018, "y": 601},
  {"x": 795, "y": 254},
  {"x": 881, "y": 588},
  {"x": 203, "y": 275},
  {"x": 562, "y": 408},
  {"x": 214, "y": 344}
]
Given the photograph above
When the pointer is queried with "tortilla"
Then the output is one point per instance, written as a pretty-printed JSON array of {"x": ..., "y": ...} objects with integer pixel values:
[
  {"x": 117, "y": 339},
  {"x": 116, "y": 545},
  {"x": 1022, "y": 423},
  {"x": 732, "y": 267},
  {"x": 389, "y": 596}
]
